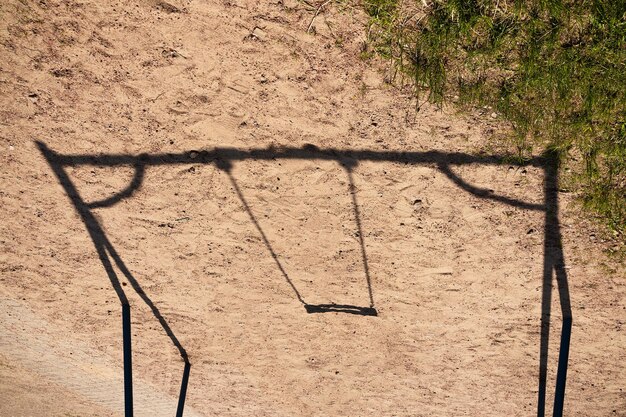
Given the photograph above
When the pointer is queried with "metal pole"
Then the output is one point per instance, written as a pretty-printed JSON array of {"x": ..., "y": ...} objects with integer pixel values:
[
  {"x": 128, "y": 366},
  {"x": 561, "y": 375},
  {"x": 183, "y": 390}
]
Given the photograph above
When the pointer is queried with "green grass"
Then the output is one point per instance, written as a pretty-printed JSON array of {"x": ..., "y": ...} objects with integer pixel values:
[{"x": 556, "y": 70}]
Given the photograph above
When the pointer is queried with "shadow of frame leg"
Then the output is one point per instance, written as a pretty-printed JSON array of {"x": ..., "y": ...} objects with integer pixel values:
[
  {"x": 554, "y": 239},
  {"x": 109, "y": 256},
  {"x": 554, "y": 263}
]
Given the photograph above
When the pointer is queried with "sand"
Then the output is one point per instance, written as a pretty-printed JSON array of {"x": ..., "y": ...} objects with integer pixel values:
[{"x": 256, "y": 167}]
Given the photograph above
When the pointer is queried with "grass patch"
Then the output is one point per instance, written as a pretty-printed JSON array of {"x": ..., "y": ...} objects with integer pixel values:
[{"x": 555, "y": 69}]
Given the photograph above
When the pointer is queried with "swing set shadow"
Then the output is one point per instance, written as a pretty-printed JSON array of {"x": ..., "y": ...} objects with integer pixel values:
[{"x": 224, "y": 158}]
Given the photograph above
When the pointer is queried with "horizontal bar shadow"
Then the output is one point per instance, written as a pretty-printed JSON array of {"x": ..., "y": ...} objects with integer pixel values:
[{"x": 340, "y": 308}]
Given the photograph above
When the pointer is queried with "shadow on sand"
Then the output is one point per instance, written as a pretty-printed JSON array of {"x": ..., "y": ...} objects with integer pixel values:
[{"x": 223, "y": 158}]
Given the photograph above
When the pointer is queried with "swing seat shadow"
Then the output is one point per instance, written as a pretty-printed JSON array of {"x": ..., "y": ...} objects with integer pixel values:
[{"x": 340, "y": 308}]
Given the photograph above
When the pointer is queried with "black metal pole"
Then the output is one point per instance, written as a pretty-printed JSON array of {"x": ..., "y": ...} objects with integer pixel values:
[
  {"x": 561, "y": 375},
  {"x": 128, "y": 366},
  {"x": 183, "y": 390}
]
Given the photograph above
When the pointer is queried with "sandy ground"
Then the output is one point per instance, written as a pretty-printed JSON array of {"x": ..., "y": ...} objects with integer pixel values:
[{"x": 230, "y": 250}]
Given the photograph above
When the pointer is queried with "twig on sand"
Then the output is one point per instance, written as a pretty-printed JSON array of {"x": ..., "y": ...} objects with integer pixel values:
[
  {"x": 235, "y": 89},
  {"x": 319, "y": 9},
  {"x": 157, "y": 97}
]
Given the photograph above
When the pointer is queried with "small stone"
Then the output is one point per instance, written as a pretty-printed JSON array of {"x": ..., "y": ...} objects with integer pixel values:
[
  {"x": 170, "y": 53},
  {"x": 167, "y": 7},
  {"x": 257, "y": 34},
  {"x": 61, "y": 72},
  {"x": 494, "y": 115}
]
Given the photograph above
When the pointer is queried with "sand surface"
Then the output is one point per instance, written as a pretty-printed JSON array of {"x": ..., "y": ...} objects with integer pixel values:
[{"x": 327, "y": 189}]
